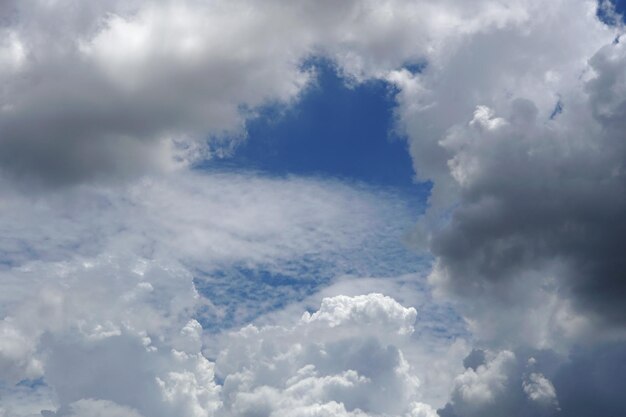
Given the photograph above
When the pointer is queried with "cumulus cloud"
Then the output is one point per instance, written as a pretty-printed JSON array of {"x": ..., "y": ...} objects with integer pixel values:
[
  {"x": 521, "y": 130},
  {"x": 540, "y": 389},
  {"x": 504, "y": 383},
  {"x": 118, "y": 89},
  {"x": 438, "y": 340},
  {"x": 345, "y": 358},
  {"x": 115, "y": 89},
  {"x": 96, "y": 408}
]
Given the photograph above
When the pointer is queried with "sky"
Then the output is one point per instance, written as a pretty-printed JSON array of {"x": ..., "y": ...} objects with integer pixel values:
[{"x": 224, "y": 208}]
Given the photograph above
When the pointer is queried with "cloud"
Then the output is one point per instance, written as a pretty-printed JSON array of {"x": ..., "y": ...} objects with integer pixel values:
[
  {"x": 347, "y": 353},
  {"x": 505, "y": 383},
  {"x": 527, "y": 205},
  {"x": 436, "y": 346},
  {"x": 104, "y": 286},
  {"x": 99, "y": 408},
  {"x": 119, "y": 89},
  {"x": 589, "y": 381},
  {"x": 136, "y": 358},
  {"x": 99, "y": 295},
  {"x": 540, "y": 389},
  {"x": 373, "y": 309},
  {"x": 114, "y": 90}
]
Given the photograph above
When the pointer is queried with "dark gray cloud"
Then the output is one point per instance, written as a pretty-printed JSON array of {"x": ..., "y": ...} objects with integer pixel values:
[
  {"x": 112, "y": 89},
  {"x": 543, "y": 198},
  {"x": 590, "y": 383}
]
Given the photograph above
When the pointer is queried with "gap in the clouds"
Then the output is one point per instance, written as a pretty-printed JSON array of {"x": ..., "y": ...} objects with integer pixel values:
[
  {"x": 243, "y": 293},
  {"x": 337, "y": 129},
  {"x": 619, "y": 7},
  {"x": 558, "y": 109}
]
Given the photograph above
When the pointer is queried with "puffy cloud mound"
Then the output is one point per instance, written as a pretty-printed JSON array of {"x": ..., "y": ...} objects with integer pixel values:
[
  {"x": 344, "y": 359},
  {"x": 521, "y": 130},
  {"x": 503, "y": 383},
  {"x": 375, "y": 310},
  {"x": 540, "y": 389},
  {"x": 147, "y": 363},
  {"x": 100, "y": 333}
]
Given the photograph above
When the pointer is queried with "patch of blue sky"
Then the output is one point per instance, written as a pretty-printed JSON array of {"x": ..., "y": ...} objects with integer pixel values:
[
  {"x": 32, "y": 383},
  {"x": 558, "y": 109},
  {"x": 619, "y": 7},
  {"x": 243, "y": 292},
  {"x": 338, "y": 130}
]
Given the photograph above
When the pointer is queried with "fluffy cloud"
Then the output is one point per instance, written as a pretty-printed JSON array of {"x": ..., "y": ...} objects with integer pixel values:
[
  {"x": 540, "y": 389},
  {"x": 122, "y": 88},
  {"x": 115, "y": 89},
  {"x": 521, "y": 130},
  {"x": 438, "y": 340},
  {"x": 336, "y": 361},
  {"x": 346, "y": 358},
  {"x": 373, "y": 309},
  {"x": 503, "y": 383}
]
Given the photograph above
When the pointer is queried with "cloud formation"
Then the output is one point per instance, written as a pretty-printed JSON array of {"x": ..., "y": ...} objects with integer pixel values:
[
  {"x": 343, "y": 359},
  {"x": 520, "y": 128},
  {"x": 117, "y": 89},
  {"x": 99, "y": 300}
]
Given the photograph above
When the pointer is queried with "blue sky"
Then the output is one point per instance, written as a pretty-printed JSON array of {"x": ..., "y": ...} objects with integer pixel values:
[{"x": 336, "y": 130}]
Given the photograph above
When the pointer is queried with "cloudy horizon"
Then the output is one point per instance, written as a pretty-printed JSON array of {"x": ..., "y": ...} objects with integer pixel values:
[{"x": 353, "y": 208}]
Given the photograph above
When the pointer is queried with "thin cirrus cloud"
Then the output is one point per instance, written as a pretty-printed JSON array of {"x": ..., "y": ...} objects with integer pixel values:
[{"x": 136, "y": 286}]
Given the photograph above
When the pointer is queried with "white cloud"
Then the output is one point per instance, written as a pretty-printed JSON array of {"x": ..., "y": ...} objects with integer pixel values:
[
  {"x": 502, "y": 386},
  {"x": 306, "y": 367},
  {"x": 355, "y": 362},
  {"x": 478, "y": 388},
  {"x": 439, "y": 340},
  {"x": 540, "y": 389},
  {"x": 373, "y": 310}
]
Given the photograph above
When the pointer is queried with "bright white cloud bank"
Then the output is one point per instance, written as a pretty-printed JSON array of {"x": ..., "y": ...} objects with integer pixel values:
[{"x": 517, "y": 117}]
